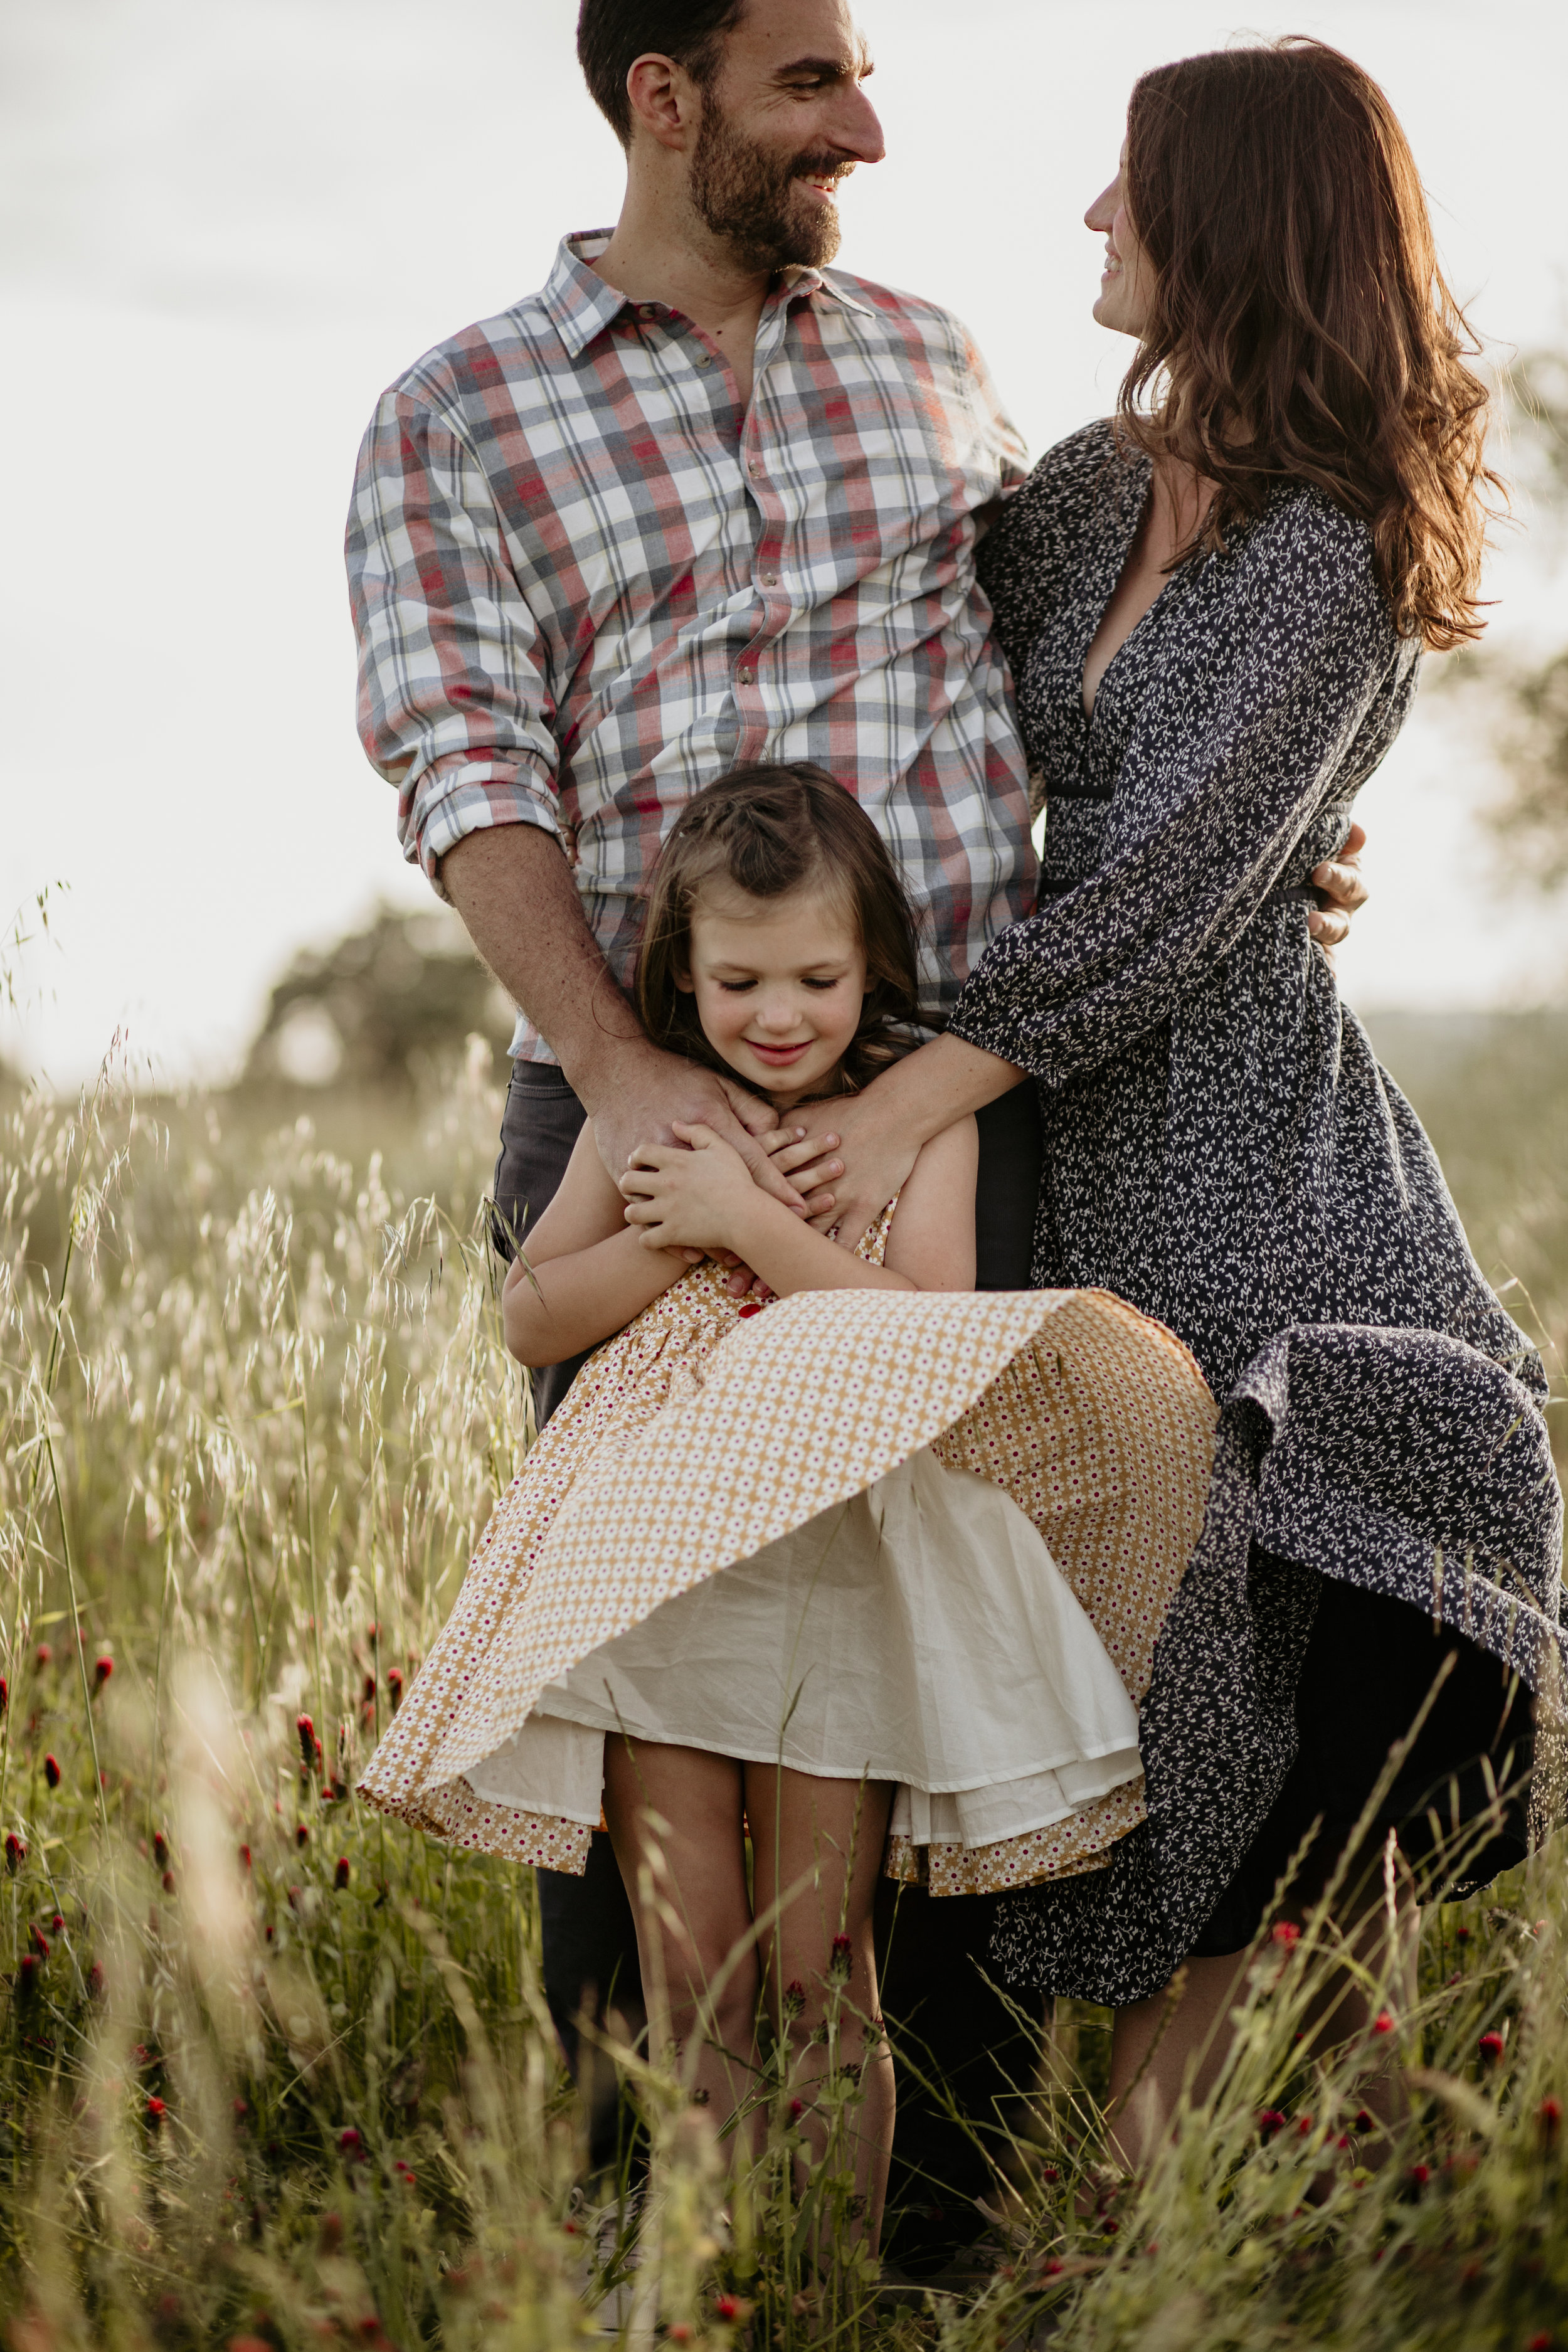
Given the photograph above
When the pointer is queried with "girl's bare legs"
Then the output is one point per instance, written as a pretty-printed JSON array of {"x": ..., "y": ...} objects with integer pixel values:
[
  {"x": 698, "y": 1931},
  {"x": 835, "y": 1829}
]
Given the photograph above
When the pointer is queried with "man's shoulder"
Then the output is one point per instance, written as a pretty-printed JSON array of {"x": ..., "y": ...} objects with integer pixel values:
[
  {"x": 508, "y": 347},
  {"x": 910, "y": 316}
]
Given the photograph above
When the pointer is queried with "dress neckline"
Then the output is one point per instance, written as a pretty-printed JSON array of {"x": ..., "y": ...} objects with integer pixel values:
[{"x": 1114, "y": 553}]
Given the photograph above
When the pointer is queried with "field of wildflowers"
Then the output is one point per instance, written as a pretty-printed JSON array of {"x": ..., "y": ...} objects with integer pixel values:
[{"x": 275, "y": 2074}]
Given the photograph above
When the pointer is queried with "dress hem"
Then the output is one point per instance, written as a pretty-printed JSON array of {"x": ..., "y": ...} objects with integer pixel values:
[{"x": 822, "y": 1771}]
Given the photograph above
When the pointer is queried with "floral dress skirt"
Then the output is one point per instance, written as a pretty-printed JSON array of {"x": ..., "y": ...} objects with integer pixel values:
[{"x": 927, "y": 1539}]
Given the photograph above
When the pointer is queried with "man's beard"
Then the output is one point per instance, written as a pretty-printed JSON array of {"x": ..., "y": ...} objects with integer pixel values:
[{"x": 752, "y": 200}]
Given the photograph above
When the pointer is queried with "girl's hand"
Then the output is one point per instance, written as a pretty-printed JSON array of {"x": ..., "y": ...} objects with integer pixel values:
[{"x": 694, "y": 1198}]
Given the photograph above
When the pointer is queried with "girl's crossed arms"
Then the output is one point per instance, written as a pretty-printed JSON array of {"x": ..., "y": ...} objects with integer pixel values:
[{"x": 797, "y": 991}]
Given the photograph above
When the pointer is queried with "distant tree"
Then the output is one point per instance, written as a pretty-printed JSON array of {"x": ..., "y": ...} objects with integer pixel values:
[
  {"x": 1531, "y": 744},
  {"x": 1531, "y": 737},
  {"x": 406, "y": 988}
]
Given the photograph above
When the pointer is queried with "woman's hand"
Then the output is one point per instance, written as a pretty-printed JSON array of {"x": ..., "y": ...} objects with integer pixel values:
[
  {"x": 866, "y": 1156},
  {"x": 867, "y": 1151},
  {"x": 694, "y": 1194}
]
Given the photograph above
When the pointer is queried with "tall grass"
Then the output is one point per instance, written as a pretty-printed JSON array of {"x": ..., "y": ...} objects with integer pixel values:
[{"x": 275, "y": 2073}]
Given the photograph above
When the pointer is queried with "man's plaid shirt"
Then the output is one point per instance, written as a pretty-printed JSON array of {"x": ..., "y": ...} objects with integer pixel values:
[{"x": 587, "y": 581}]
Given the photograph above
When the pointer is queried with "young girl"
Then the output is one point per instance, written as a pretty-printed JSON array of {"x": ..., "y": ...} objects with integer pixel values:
[{"x": 777, "y": 1566}]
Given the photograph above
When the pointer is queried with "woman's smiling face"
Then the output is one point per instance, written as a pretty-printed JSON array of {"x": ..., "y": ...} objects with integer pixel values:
[
  {"x": 1126, "y": 285},
  {"x": 780, "y": 984}
]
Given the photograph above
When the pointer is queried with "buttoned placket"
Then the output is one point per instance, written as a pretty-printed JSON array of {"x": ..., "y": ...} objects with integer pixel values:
[{"x": 772, "y": 328}]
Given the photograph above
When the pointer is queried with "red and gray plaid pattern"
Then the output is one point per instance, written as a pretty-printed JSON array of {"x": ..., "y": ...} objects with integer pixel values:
[{"x": 587, "y": 581}]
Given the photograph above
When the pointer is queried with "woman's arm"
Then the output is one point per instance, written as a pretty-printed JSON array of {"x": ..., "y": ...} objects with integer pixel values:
[
  {"x": 876, "y": 1139},
  {"x": 583, "y": 1276},
  {"x": 704, "y": 1197},
  {"x": 1217, "y": 787}
]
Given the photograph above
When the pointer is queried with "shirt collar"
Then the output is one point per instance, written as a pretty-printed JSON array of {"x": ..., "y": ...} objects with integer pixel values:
[
  {"x": 812, "y": 282},
  {"x": 581, "y": 305}
]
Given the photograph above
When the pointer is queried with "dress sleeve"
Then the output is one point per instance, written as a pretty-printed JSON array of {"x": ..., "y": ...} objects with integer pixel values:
[
  {"x": 455, "y": 702},
  {"x": 1029, "y": 551},
  {"x": 1272, "y": 712}
]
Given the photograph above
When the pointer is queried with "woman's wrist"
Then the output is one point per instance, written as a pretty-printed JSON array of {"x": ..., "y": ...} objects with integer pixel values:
[{"x": 939, "y": 1084}]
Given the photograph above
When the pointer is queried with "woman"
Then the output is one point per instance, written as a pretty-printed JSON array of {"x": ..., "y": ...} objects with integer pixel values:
[{"x": 1215, "y": 607}]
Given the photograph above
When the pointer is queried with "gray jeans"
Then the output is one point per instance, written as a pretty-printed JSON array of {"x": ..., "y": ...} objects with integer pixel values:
[{"x": 934, "y": 1958}]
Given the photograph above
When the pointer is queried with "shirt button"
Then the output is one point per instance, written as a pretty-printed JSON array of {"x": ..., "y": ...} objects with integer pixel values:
[
  {"x": 745, "y": 675},
  {"x": 754, "y": 466},
  {"x": 647, "y": 311},
  {"x": 770, "y": 580}
]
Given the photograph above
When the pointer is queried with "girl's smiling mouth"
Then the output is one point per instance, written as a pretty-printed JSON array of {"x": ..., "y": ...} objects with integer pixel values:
[{"x": 781, "y": 1056}]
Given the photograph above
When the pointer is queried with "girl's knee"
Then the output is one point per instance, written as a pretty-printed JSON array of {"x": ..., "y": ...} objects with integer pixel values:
[{"x": 717, "y": 1979}]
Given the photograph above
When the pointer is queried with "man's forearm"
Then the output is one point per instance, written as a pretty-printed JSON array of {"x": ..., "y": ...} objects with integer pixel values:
[{"x": 515, "y": 892}]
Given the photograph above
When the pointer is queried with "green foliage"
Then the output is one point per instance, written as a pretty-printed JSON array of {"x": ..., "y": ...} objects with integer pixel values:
[
  {"x": 275, "y": 2073},
  {"x": 1526, "y": 704},
  {"x": 379, "y": 1006},
  {"x": 1521, "y": 706}
]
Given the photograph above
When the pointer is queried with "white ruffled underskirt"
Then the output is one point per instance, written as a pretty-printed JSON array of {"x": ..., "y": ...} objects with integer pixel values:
[{"x": 920, "y": 1633}]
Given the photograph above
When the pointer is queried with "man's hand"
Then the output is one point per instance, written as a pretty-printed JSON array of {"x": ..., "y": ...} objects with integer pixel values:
[
  {"x": 638, "y": 1096},
  {"x": 1340, "y": 880},
  {"x": 693, "y": 1195}
]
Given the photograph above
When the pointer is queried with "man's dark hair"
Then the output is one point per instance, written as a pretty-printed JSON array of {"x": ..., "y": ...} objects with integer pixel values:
[{"x": 613, "y": 34}]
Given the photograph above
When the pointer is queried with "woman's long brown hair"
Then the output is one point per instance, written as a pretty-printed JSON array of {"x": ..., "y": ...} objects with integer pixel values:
[
  {"x": 767, "y": 831},
  {"x": 1301, "y": 330}
]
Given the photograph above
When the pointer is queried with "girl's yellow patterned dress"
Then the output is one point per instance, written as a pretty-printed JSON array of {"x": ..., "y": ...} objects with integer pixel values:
[{"x": 708, "y": 1430}]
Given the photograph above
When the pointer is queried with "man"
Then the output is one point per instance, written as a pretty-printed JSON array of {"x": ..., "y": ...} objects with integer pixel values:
[{"x": 698, "y": 502}]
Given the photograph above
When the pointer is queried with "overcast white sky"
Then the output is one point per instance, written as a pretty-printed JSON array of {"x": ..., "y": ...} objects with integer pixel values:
[{"x": 229, "y": 223}]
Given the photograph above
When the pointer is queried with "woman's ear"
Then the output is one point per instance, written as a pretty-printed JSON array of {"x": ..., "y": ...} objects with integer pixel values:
[{"x": 683, "y": 980}]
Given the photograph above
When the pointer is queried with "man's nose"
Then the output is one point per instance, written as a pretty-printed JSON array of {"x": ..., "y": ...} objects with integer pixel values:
[{"x": 856, "y": 128}]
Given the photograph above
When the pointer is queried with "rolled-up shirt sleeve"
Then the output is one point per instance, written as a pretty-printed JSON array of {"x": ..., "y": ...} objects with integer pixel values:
[{"x": 456, "y": 708}]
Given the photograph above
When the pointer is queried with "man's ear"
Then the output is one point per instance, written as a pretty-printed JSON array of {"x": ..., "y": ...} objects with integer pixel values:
[{"x": 665, "y": 101}]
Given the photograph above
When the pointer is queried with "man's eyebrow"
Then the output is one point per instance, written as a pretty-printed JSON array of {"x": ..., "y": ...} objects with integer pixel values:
[{"x": 839, "y": 69}]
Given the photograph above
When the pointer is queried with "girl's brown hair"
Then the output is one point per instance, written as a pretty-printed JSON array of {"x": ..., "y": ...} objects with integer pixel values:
[
  {"x": 1301, "y": 328},
  {"x": 767, "y": 831}
]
